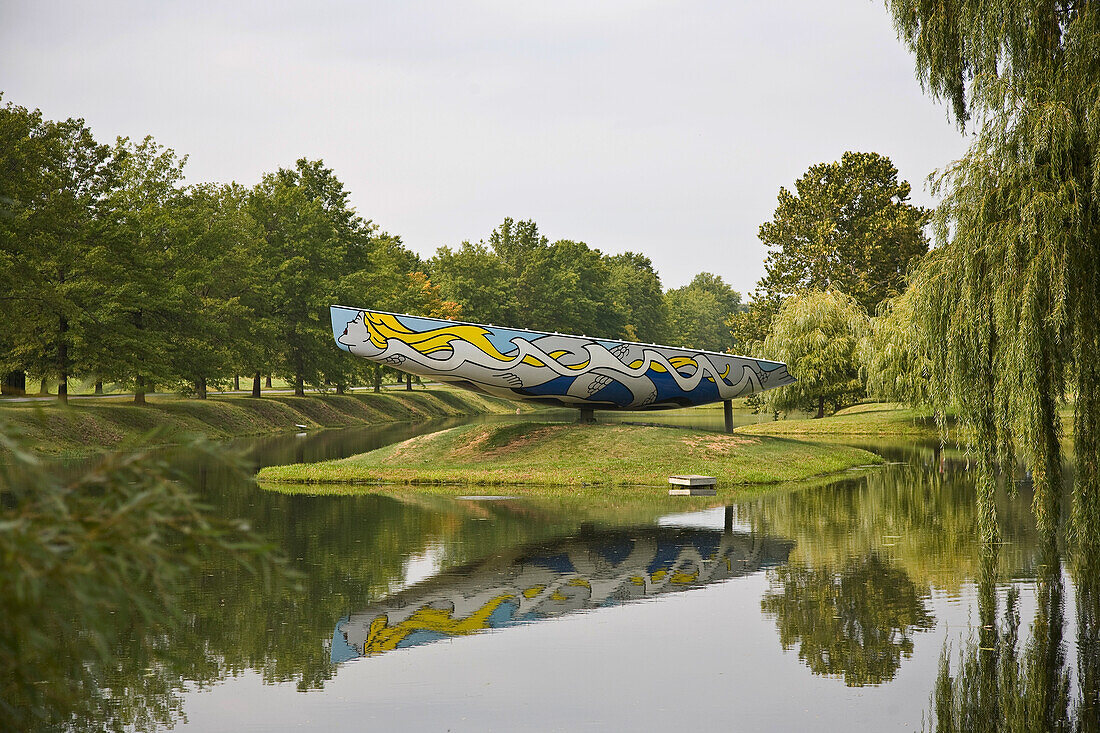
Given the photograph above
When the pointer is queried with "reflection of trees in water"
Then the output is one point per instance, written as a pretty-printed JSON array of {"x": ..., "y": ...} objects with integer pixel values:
[
  {"x": 855, "y": 621},
  {"x": 1087, "y": 577},
  {"x": 999, "y": 684},
  {"x": 922, "y": 521},
  {"x": 349, "y": 551},
  {"x": 904, "y": 530}
]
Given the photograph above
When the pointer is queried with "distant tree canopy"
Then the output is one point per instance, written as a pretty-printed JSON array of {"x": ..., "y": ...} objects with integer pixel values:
[
  {"x": 698, "y": 313},
  {"x": 520, "y": 278},
  {"x": 113, "y": 269}
]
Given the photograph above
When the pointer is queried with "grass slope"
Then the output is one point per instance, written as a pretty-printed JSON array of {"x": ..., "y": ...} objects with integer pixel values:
[
  {"x": 571, "y": 455},
  {"x": 87, "y": 425}
]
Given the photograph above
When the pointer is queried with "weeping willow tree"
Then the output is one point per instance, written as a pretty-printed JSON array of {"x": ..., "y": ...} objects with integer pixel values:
[
  {"x": 1011, "y": 298},
  {"x": 894, "y": 355},
  {"x": 817, "y": 335}
]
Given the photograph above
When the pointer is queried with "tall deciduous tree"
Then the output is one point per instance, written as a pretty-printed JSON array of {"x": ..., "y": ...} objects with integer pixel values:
[
  {"x": 847, "y": 226},
  {"x": 302, "y": 217},
  {"x": 142, "y": 299},
  {"x": 1012, "y": 297},
  {"x": 564, "y": 287},
  {"x": 817, "y": 335},
  {"x": 895, "y": 357},
  {"x": 212, "y": 241},
  {"x": 54, "y": 178}
]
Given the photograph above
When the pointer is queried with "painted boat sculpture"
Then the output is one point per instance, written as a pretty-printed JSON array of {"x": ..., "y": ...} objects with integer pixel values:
[
  {"x": 572, "y": 371},
  {"x": 549, "y": 579}
]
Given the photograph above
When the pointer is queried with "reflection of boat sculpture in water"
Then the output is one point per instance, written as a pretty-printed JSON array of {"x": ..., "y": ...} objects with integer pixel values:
[
  {"x": 575, "y": 371},
  {"x": 541, "y": 581}
]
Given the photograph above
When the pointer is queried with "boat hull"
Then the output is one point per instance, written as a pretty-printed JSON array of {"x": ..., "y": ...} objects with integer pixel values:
[{"x": 560, "y": 369}]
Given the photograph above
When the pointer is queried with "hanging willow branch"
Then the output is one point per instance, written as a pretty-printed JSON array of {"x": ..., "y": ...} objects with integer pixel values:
[{"x": 1011, "y": 299}]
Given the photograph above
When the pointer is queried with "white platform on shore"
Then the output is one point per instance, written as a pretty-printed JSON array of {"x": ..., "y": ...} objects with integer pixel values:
[
  {"x": 693, "y": 480},
  {"x": 692, "y": 485}
]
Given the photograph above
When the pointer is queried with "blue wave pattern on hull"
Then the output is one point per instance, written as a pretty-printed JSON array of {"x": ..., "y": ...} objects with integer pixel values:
[{"x": 574, "y": 371}]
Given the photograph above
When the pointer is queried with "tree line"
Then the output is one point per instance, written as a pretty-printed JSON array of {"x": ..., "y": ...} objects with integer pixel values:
[{"x": 113, "y": 269}]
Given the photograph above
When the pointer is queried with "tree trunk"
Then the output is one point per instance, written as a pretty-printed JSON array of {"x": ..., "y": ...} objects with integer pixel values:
[
  {"x": 339, "y": 388},
  {"x": 820, "y": 406},
  {"x": 256, "y": 384},
  {"x": 99, "y": 386},
  {"x": 299, "y": 376},
  {"x": 200, "y": 388},
  {"x": 377, "y": 377},
  {"x": 236, "y": 382},
  {"x": 408, "y": 382},
  {"x": 139, "y": 387},
  {"x": 267, "y": 382},
  {"x": 62, "y": 361},
  {"x": 44, "y": 388}
]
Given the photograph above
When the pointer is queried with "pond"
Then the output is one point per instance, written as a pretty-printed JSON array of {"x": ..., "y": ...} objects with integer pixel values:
[{"x": 826, "y": 606}]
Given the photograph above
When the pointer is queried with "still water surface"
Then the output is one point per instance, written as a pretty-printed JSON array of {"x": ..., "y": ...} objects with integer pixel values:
[{"x": 824, "y": 607}]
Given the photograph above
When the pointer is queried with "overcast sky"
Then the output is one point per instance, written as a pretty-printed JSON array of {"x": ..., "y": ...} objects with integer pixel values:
[{"x": 665, "y": 128}]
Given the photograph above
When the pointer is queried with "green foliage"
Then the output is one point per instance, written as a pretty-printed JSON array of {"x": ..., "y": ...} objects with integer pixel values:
[
  {"x": 698, "y": 313},
  {"x": 856, "y": 621},
  {"x": 519, "y": 278},
  {"x": 636, "y": 298},
  {"x": 1015, "y": 287},
  {"x": 896, "y": 366},
  {"x": 477, "y": 279},
  {"x": 313, "y": 243},
  {"x": 54, "y": 179},
  {"x": 848, "y": 226},
  {"x": 817, "y": 335},
  {"x": 143, "y": 299},
  {"x": 210, "y": 262},
  {"x": 91, "y": 568},
  {"x": 750, "y": 326}
]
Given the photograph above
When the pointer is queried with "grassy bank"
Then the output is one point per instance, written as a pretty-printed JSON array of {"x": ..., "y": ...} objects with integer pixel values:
[
  {"x": 560, "y": 455},
  {"x": 870, "y": 420},
  {"x": 86, "y": 426}
]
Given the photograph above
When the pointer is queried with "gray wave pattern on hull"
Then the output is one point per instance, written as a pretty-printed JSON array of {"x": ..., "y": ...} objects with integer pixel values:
[{"x": 568, "y": 370}]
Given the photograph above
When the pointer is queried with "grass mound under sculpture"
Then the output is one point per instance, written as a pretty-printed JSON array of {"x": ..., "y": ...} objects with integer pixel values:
[{"x": 574, "y": 455}]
